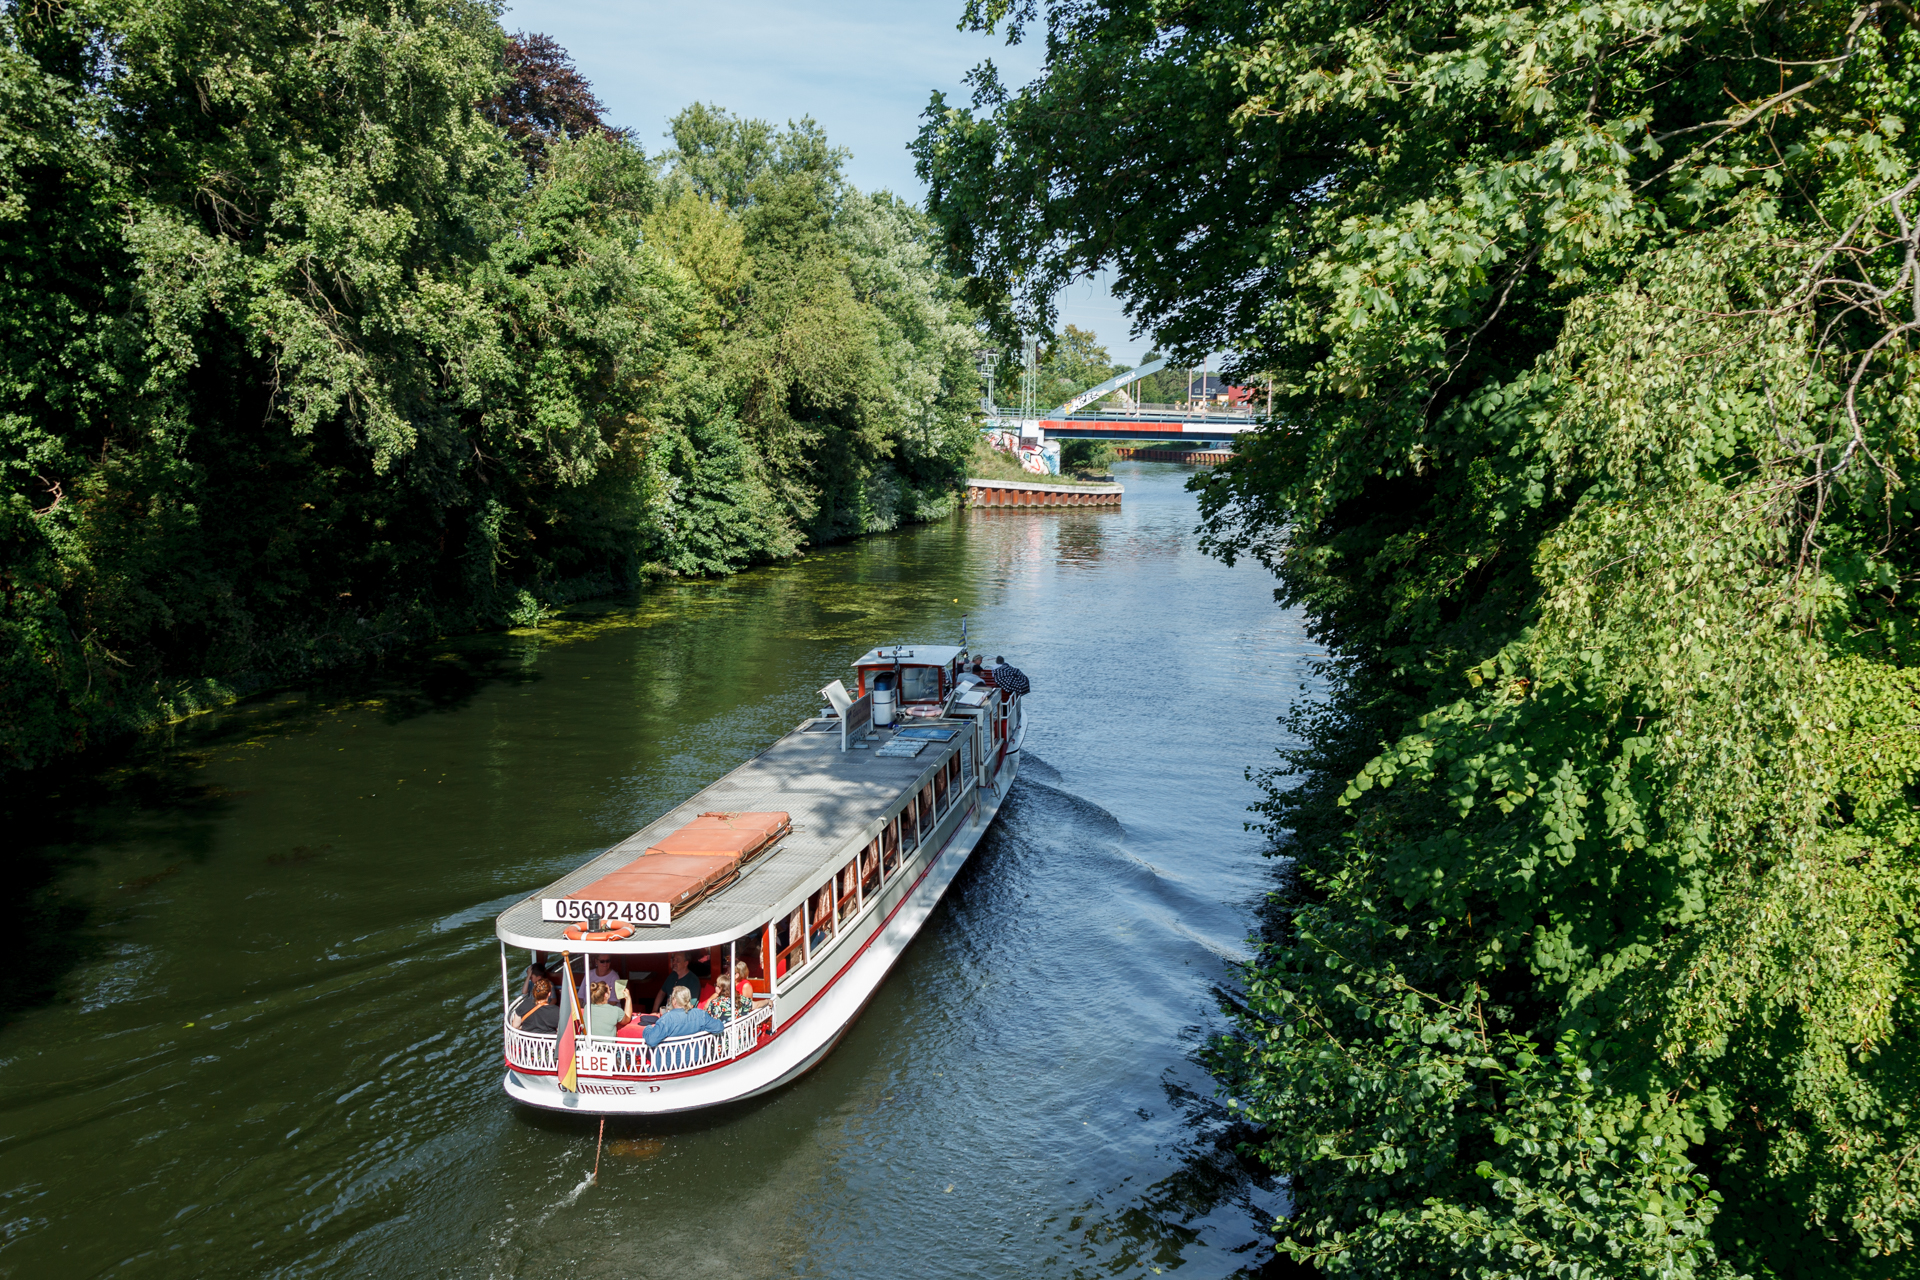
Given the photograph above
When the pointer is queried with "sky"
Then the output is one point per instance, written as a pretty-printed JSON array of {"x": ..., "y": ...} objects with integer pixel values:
[{"x": 863, "y": 68}]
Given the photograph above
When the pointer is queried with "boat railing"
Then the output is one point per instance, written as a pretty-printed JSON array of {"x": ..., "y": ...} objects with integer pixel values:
[
  {"x": 744, "y": 1033},
  {"x": 540, "y": 1053},
  {"x": 681, "y": 1053},
  {"x": 531, "y": 1051}
]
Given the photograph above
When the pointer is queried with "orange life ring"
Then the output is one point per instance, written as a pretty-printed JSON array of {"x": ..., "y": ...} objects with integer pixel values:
[{"x": 617, "y": 930}]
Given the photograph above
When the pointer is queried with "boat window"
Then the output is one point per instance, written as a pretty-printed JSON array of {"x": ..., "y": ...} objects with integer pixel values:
[
  {"x": 870, "y": 869},
  {"x": 919, "y": 684},
  {"x": 764, "y": 952},
  {"x": 849, "y": 895},
  {"x": 890, "y": 847},
  {"x": 940, "y": 790},
  {"x": 953, "y": 774},
  {"x": 819, "y": 919},
  {"x": 926, "y": 806},
  {"x": 745, "y": 959},
  {"x": 909, "y": 827},
  {"x": 790, "y": 937}
]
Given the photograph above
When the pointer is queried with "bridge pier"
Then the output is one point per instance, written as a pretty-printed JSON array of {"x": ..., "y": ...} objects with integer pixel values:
[{"x": 1205, "y": 457}]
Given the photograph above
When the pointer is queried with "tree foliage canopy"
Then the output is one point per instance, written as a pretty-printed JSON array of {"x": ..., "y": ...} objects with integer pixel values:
[
  {"x": 544, "y": 96},
  {"x": 329, "y": 325},
  {"x": 1593, "y": 329}
]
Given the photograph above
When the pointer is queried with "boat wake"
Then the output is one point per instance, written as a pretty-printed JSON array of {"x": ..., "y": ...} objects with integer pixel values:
[
  {"x": 1041, "y": 782},
  {"x": 565, "y": 1202},
  {"x": 1033, "y": 767}
]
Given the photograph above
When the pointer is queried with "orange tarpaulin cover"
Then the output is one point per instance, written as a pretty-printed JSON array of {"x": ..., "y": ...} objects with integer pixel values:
[
  {"x": 699, "y": 856},
  {"x": 663, "y": 877},
  {"x": 741, "y": 834}
]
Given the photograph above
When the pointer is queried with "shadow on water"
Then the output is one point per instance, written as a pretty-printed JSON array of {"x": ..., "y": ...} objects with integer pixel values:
[
  {"x": 1217, "y": 1174},
  {"x": 438, "y": 679},
  {"x": 1237, "y": 1140},
  {"x": 59, "y": 821},
  {"x": 78, "y": 814},
  {"x": 1217, "y": 1167}
]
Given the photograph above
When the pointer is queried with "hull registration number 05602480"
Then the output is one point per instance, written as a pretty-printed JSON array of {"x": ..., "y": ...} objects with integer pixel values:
[{"x": 634, "y": 913}]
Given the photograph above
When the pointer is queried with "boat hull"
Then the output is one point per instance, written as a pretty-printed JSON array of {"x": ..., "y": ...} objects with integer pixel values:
[{"x": 822, "y": 1010}]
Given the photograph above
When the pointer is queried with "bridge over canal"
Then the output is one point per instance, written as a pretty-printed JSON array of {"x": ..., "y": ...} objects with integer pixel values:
[{"x": 1074, "y": 420}]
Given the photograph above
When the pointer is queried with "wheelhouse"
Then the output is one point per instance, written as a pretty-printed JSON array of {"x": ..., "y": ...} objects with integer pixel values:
[{"x": 920, "y": 678}]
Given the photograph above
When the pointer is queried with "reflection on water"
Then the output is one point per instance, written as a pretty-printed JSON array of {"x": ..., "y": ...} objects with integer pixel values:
[{"x": 253, "y": 1027}]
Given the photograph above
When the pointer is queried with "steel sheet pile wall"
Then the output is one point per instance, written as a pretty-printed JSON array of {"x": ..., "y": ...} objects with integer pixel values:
[{"x": 1012, "y": 493}]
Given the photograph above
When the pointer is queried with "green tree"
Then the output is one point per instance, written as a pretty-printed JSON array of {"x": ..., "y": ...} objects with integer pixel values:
[
  {"x": 852, "y": 360},
  {"x": 332, "y": 326},
  {"x": 739, "y": 162},
  {"x": 1071, "y": 363},
  {"x": 1591, "y": 326},
  {"x": 247, "y": 332}
]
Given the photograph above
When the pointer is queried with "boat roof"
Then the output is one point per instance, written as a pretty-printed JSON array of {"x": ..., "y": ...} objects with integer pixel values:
[
  {"x": 837, "y": 801},
  {"x": 937, "y": 655}
]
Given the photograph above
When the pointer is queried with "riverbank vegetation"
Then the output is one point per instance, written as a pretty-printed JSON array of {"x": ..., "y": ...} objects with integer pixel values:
[
  {"x": 326, "y": 327},
  {"x": 1592, "y": 329},
  {"x": 989, "y": 463}
]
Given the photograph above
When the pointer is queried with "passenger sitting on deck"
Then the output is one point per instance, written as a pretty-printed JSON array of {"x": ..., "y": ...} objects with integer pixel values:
[
  {"x": 678, "y": 975},
  {"x": 721, "y": 1003},
  {"x": 603, "y": 1015},
  {"x": 681, "y": 1019},
  {"x": 603, "y": 972},
  {"x": 742, "y": 980},
  {"x": 536, "y": 1013},
  {"x": 980, "y": 671}
]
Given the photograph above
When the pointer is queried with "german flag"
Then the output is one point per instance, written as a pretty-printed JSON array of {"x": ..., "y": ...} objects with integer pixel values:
[{"x": 569, "y": 1074}]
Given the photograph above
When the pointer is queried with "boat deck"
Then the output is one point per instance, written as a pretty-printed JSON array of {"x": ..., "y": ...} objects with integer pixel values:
[{"x": 835, "y": 799}]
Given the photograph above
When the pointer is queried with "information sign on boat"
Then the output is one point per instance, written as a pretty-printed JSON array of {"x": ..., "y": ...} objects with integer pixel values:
[{"x": 635, "y": 913}]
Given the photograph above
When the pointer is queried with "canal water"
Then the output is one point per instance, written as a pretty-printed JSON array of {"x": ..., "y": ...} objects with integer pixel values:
[{"x": 253, "y": 1027}]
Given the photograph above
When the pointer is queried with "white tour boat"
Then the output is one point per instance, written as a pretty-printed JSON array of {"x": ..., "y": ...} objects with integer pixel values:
[{"x": 814, "y": 864}]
